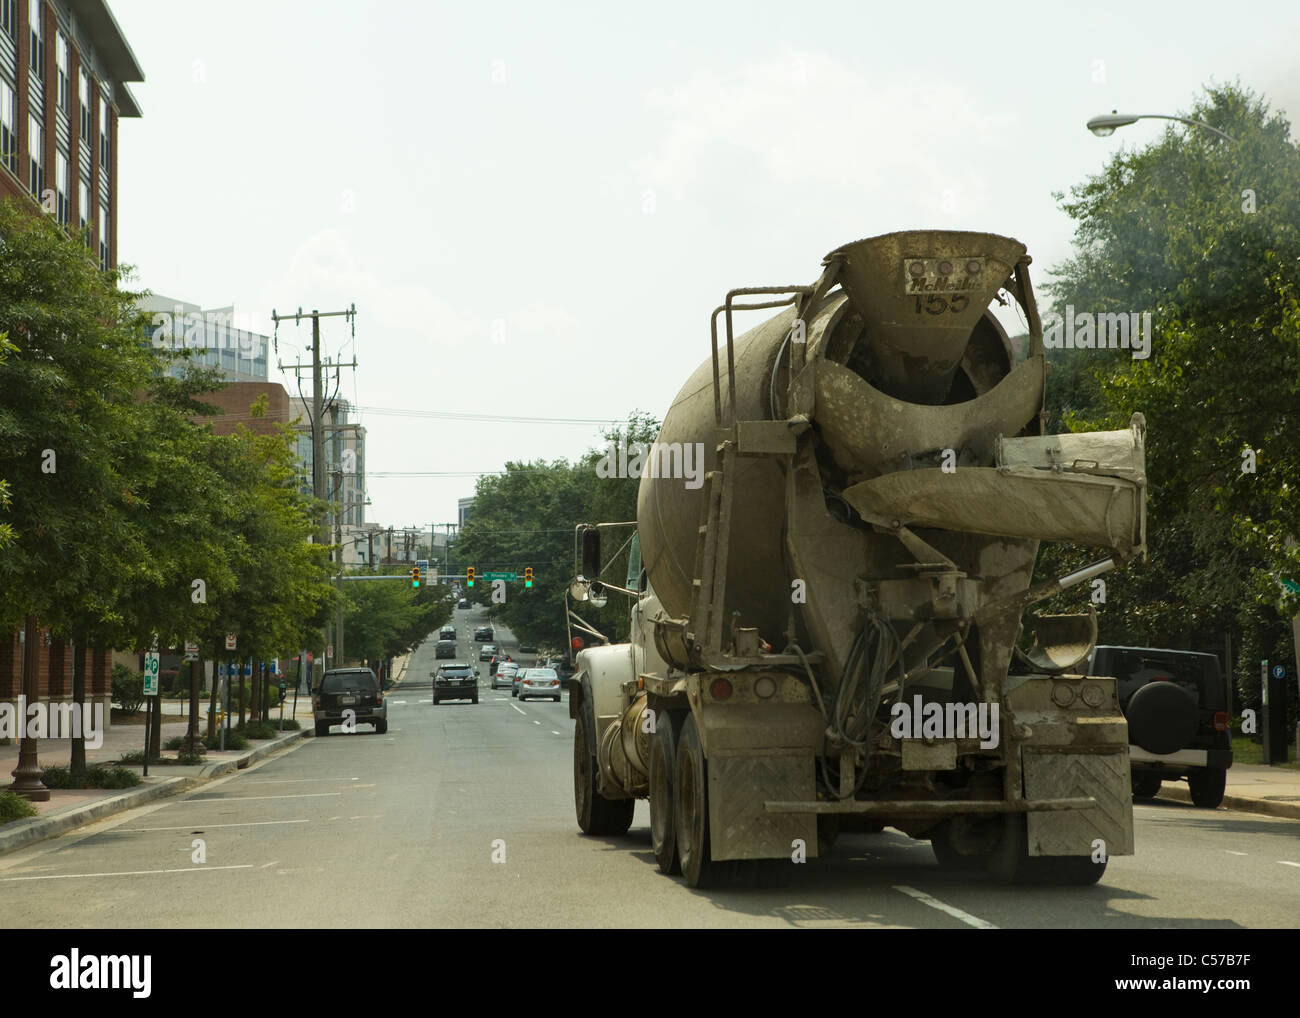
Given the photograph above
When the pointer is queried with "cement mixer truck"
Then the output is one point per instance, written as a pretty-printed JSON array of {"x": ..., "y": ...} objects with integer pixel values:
[{"x": 830, "y": 576}]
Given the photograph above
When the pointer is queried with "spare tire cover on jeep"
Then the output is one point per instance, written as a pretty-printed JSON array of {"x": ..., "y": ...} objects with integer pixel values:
[{"x": 1161, "y": 717}]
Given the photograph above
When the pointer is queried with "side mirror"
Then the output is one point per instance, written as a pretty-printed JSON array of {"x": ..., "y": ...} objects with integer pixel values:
[{"x": 590, "y": 553}]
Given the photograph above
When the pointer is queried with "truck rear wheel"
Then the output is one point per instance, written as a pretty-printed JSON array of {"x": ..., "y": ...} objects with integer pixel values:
[
  {"x": 663, "y": 821},
  {"x": 1011, "y": 863},
  {"x": 691, "y": 810},
  {"x": 596, "y": 814}
]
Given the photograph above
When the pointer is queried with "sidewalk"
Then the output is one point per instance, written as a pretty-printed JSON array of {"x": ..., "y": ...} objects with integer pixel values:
[
  {"x": 71, "y": 808},
  {"x": 1253, "y": 788}
]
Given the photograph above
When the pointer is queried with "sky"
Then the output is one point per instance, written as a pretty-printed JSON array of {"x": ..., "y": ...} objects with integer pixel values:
[{"x": 535, "y": 207}]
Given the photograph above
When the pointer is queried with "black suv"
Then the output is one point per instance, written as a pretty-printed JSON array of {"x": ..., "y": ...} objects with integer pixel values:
[
  {"x": 484, "y": 634},
  {"x": 456, "y": 681},
  {"x": 1176, "y": 703},
  {"x": 349, "y": 689},
  {"x": 448, "y": 632},
  {"x": 445, "y": 648}
]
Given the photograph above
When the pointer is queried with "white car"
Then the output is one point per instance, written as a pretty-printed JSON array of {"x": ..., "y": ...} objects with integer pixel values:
[
  {"x": 505, "y": 674},
  {"x": 540, "y": 682}
]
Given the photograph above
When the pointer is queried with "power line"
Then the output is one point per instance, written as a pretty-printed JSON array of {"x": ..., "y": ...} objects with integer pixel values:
[{"x": 456, "y": 415}]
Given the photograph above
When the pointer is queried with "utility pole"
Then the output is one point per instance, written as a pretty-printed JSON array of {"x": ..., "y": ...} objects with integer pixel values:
[
  {"x": 340, "y": 506},
  {"x": 318, "y": 412}
]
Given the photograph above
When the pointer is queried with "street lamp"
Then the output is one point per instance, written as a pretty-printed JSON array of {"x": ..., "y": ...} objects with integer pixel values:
[{"x": 1104, "y": 125}]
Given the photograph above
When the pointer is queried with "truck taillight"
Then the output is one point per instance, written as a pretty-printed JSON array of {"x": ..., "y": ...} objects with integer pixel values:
[
  {"x": 316, "y": 703},
  {"x": 1220, "y": 721},
  {"x": 721, "y": 689}
]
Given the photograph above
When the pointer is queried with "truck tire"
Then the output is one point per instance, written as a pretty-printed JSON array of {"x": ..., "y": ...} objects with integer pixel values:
[
  {"x": 381, "y": 727},
  {"x": 691, "y": 810},
  {"x": 949, "y": 858},
  {"x": 322, "y": 728},
  {"x": 596, "y": 814},
  {"x": 1208, "y": 785},
  {"x": 1011, "y": 863},
  {"x": 663, "y": 766}
]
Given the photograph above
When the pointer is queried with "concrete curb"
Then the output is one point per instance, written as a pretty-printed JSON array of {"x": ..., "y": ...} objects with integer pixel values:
[
  {"x": 238, "y": 763},
  {"x": 39, "y": 828},
  {"x": 25, "y": 832},
  {"x": 1246, "y": 804}
]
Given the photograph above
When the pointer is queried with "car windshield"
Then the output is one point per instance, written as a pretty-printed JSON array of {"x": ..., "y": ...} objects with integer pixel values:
[
  {"x": 455, "y": 673},
  {"x": 338, "y": 682},
  {"x": 542, "y": 673}
]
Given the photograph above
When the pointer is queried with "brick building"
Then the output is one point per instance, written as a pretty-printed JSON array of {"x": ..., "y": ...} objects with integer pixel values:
[{"x": 64, "y": 65}]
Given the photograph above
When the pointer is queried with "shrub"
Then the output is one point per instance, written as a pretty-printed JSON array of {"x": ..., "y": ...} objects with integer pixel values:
[
  {"x": 175, "y": 742},
  {"x": 257, "y": 730},
  {"x": 96, "y": 776},
  {"x": 290, "y": 725},
  {"x": 14, "y": 807},
  {"x": 233, "y": 741},
  {"x": 128, "y": 689},
  {"x": 189, "y": 758}
]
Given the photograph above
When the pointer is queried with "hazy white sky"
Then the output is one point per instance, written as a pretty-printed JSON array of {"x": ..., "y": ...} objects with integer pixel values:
[{"x": 535, "y": 206}]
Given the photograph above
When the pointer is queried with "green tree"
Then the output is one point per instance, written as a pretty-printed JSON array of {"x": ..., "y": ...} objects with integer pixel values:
[{"x": 1205, "y": 235}]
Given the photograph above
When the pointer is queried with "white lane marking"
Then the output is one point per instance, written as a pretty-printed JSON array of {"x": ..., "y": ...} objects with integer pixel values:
[
  {"x": 537, "y": 722},
  {"x": 554, "y": 732},
  {"x": 206, "y": 827},
  {"x": 397, "y": 703},
  {"x": 1283, "y": 862},
  {"x": 130, "y": 873},
  {"x": 516, "y": 707},
  {"x": 291, "y": 781},
  {"x": 956, "y": 913},
  {"x": 266, "y": 864},
  {"x": 1231, "y": 852},
  {"x": 244, "y": 798}
]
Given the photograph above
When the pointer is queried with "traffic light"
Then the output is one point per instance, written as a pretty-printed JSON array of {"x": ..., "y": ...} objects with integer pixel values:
[
  {"x": 469, "y": 576},
  {"x": 415, "y": 577},
  {"x": 528, "y": 576}
]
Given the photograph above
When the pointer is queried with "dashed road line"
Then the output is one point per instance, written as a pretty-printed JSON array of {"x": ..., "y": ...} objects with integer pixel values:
[
  {"x": 206, "y": 827},
  {"x": 129, "y": 873},
  {"x": 956, "y": 913},
  {"x": 1283, "y": 862},
  {"x": 516, "y": 707},
  {"x": 244, "y": 798}
]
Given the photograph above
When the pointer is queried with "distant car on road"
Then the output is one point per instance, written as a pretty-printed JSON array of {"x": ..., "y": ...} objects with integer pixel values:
[
  {"x": 462, "y": 603},
  {"x": 1176, "y": 703},
  {"x": 487, "y": 651},
  {"x": 344, "y": 690},
  {"x": 445, "y": 648},
  {"x": 456, "y": 681},
  {"x": 448, "y": 632},
  {"x": 485, "y": 633},
  {"x": 514, "y": 683},
  {"x": 538, "y": 682},
  {"x": 505, "y": 675}
]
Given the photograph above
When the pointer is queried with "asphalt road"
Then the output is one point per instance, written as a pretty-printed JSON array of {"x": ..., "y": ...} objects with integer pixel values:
[{"x": 462, "y": 816}]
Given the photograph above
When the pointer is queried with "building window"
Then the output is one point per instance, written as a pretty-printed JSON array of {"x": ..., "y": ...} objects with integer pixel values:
[
  {"x": 103, "y": 237},
  {"x": 37, "y": 22},
  {"x": 83, "y": 210},
  {"x": 62, "y": 187},
  {"x": 35, "y": 147},
  {"x": 8, "y": 127},
  {"x": 9, "y": 18},
  {"x": 83, "y": 95},
  {"x": 61, "y": 64},
  {"x": 105, "y": 163}
]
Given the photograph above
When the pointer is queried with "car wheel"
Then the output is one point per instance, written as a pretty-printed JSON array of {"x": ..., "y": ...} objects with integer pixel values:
[
  {"x": 1207, "y": 785},
  {"x": 1145, "y": 786},
  {"x": 475, "y": 700},
  {"x": 381, "y": 726},
  {"x": 557, "y": 699},
  {"x": 435, "y": 701},
  {"x": 1011, "y": 862},
  {"x": 322, "y": 728}
]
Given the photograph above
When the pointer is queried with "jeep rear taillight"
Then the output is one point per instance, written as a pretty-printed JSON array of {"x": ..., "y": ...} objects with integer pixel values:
[{"x": 1220, "y": 721}]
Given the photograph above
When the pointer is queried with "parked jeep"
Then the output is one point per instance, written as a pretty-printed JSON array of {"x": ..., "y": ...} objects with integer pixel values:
[{"x": 1176, "y": 702}]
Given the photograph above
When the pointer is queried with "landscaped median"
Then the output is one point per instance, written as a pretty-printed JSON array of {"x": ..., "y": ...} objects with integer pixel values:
[{"x": 72, "y": 807}]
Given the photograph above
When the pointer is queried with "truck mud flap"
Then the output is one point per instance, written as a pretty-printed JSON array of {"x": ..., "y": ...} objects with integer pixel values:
[
  {"x": 740, "y": 826},
  {"x": 1105, "y": 777}
]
